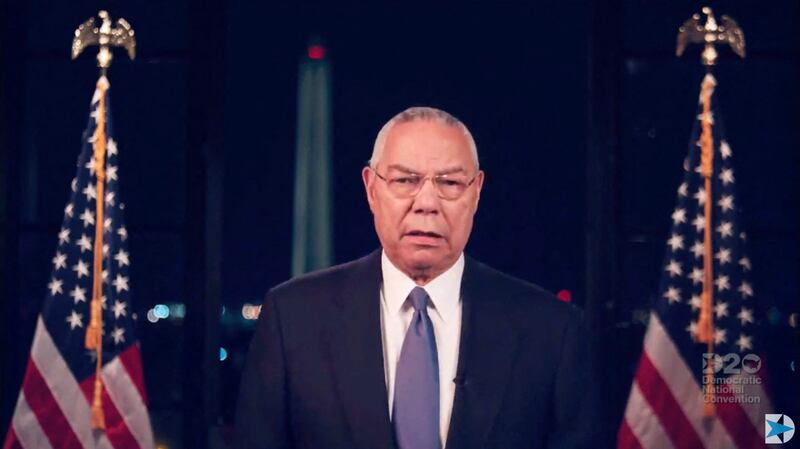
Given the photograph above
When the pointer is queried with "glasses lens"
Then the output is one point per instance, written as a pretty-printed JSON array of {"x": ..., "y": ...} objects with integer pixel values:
[
  {"x": 405, "y": 185},
  {"x": 451, "y": 188}
]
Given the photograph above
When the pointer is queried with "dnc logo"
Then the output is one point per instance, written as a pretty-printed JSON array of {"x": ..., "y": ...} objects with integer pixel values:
[{"x": 778, "y": 429}]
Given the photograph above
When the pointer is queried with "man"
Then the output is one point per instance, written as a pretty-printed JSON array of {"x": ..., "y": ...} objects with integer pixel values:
[{"x": 416, "y": 346}]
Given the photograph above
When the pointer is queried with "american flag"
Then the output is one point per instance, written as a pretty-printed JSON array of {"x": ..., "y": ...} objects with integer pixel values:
[
  {"x": 668, "y": 405},
  {"x": 54, "y": 408}
]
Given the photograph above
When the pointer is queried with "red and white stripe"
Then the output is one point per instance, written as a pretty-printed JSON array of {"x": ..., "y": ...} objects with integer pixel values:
[
  {"x": 53, "y": 410},
  {"x": 665, "y": 407}
]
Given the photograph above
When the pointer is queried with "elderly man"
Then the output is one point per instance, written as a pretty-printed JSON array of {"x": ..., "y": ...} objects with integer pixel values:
[{"x": 417, "y": 346}]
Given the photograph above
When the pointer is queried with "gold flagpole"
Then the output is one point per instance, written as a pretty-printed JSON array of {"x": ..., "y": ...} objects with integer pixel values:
[
  {"x": 705, "y": 324},
  {"x": 94, "y": 332},
  {"x": 105, "y": 36},
  {"x": 709, "y": 34}
]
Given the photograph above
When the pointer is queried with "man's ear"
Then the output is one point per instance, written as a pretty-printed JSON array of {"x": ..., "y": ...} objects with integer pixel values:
[
  {"x": 478, "y": 186},
  {"x": 368, "y": 176}
]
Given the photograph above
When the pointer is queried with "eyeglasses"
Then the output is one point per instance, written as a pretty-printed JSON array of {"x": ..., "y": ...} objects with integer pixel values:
[{"x": 407, "y": 185}]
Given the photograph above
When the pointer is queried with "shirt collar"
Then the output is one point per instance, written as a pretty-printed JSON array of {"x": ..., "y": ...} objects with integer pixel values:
[{"x": 444, "y": 290}]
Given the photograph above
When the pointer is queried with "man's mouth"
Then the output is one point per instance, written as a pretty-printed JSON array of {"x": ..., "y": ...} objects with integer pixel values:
[
  {"x": 426, "y": 239},
  {"x": 416, "y": 233}
]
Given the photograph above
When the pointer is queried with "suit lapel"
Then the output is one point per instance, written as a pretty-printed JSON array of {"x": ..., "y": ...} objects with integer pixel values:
[
  {"x": 356, "y": 349},
  {"x": 486, "y": 355}
]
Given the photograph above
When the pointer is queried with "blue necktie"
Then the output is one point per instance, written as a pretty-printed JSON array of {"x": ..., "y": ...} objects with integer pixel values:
[{"x": 416, "y": 386}]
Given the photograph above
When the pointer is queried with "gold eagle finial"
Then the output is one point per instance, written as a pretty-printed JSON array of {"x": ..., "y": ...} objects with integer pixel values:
[
  {"x": 105, "y": 36},
  {"x": 727, "y": 32}
]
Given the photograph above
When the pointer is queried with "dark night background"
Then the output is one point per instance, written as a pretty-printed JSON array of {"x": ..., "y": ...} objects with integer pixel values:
[{"x": 580, "y": 110}]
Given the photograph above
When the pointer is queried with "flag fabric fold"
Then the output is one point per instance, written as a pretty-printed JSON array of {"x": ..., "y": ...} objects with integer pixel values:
[
  {"x": 688, "y": 391},
  {"x": 55, "y": 404}
]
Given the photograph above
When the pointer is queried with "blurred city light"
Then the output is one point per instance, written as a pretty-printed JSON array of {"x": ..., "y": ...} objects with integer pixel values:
[
  {"x": 151, "y": 316},
  {"x": 251, "y": 311},
  {"x": 161, "y": 311},
  {"x": 177, "y": 310}
]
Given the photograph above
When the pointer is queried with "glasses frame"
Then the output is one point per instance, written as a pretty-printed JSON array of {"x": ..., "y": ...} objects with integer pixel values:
[{"x": 425, "y": 179}]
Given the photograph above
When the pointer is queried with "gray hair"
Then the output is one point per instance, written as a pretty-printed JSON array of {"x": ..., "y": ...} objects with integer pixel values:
[{"x": 421, "y": 113}]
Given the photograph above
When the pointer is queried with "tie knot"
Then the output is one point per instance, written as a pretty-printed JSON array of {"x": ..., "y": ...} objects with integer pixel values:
[{"x": 419, "y": 298}]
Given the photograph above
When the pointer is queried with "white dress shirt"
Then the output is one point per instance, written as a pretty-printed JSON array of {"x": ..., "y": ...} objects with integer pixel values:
[{"x": 444, "y": 309}]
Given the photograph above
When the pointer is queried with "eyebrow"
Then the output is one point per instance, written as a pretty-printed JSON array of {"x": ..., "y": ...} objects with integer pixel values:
[{"x": 445, "y": 171}]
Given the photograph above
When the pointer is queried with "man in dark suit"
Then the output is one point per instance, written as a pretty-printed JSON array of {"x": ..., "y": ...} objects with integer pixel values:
[{"x": 417, "y": 346}]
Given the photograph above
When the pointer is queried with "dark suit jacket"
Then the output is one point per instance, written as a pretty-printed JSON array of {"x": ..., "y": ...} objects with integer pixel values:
[{"x": 315, "y": 379}]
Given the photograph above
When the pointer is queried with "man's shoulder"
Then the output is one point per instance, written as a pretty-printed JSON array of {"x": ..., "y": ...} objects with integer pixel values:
[
  {"x": 504, "y": 281},
  {"x": 520, "y": 297},
  {"x": 326, "y": 282}
]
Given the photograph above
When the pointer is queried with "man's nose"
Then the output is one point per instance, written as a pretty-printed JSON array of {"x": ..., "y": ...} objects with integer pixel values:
[{"x": 427, "y": 199}]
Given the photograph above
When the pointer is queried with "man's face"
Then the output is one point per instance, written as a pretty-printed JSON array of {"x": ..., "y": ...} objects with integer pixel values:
[{"x": 423, "y": 235}]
